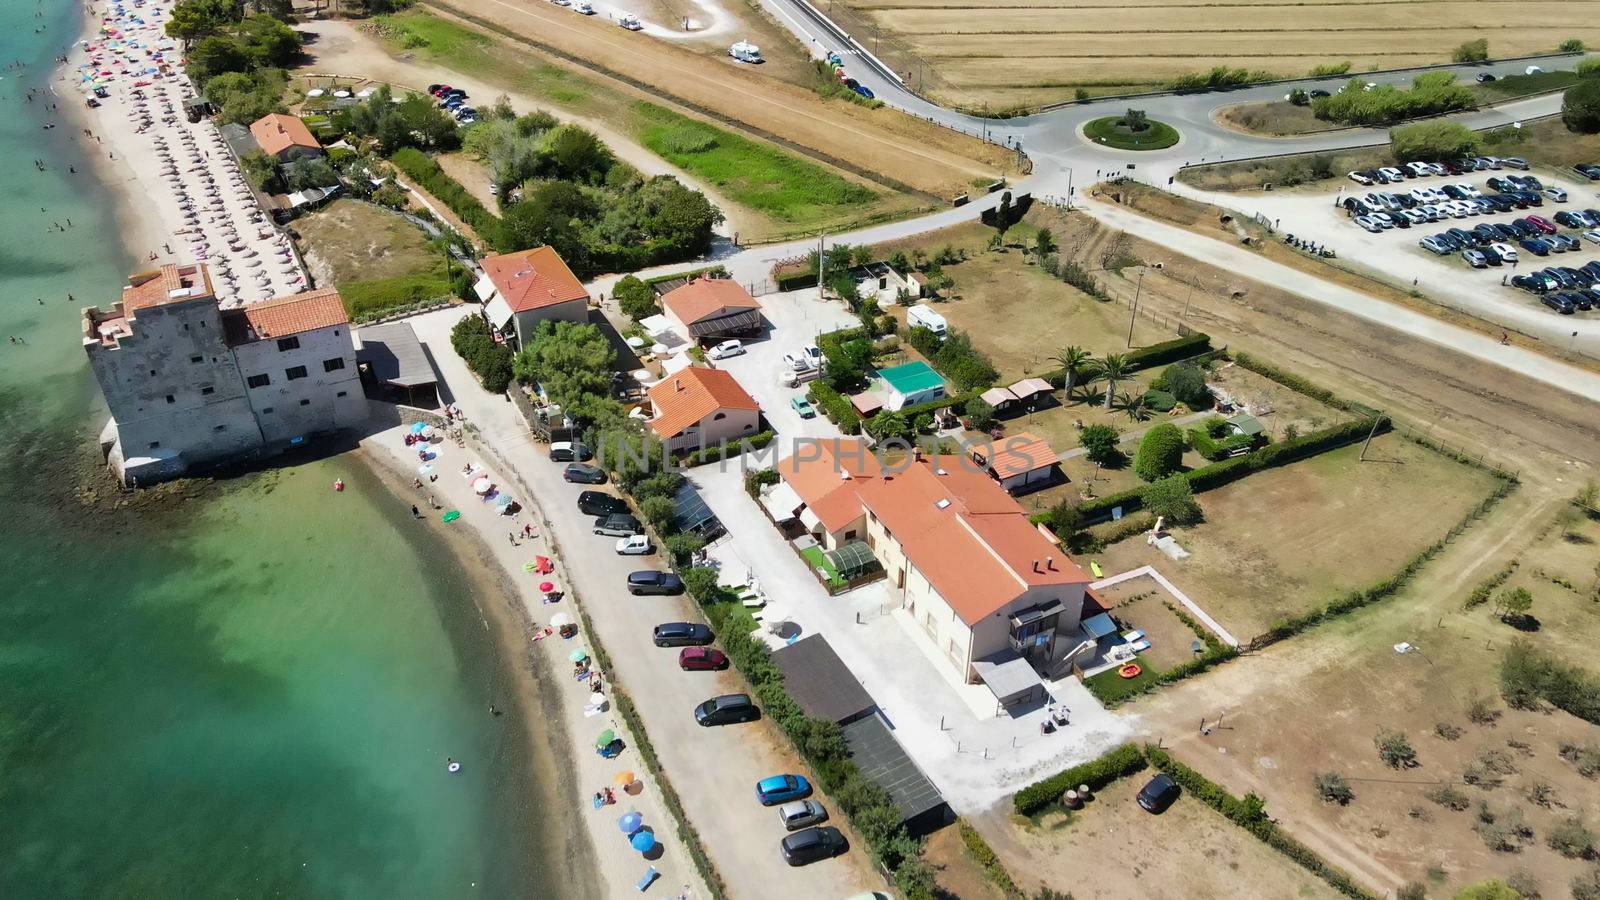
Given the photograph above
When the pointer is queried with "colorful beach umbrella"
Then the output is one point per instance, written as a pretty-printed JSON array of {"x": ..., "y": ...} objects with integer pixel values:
[
  {"x": 579, "y": 655},
  {"x": 625, "y": 778},
  {"x": 630, "y": 821},
  {"x": 417, "y": 427},
  {"x": 452, "y": 515},
  {"x": 605, "y": 739},
  {"x": 643, "y": 841},
  {"x": 545, "y": 586},
  {"x": 560, "y": 619}
]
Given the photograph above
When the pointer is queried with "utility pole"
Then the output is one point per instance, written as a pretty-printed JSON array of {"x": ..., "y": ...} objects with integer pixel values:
[
  {"x": 1186, "y": 302},
  {"x": 1133, "y": 316},
  {"x": 822, "y": 263},
  {"x": 1375, "y": 420},
  {"x": 1069, "y": 187}
]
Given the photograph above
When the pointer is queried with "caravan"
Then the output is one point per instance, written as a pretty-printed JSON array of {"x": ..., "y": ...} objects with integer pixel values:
[
  {"x": 744, "y": 51},
  {"x": 920, "y": 316}
]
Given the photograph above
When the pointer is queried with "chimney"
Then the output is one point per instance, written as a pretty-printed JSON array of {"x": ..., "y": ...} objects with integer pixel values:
[
  {"x": 916, "y": 454},
  {"x": 677, "y": 385},
  {"x": 1036, "y": 566},
  {"x": 1050, "y": 563}
]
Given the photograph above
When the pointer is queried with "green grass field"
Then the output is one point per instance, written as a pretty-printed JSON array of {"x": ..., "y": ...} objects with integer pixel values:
[{"x": 1109, "y": 132}]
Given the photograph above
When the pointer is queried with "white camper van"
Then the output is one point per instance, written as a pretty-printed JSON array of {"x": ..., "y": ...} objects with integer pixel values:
[
  {"x": 629, "y": 21},
  {"x": 924, "y": 317},
  {"x": 744, "y": 51}
]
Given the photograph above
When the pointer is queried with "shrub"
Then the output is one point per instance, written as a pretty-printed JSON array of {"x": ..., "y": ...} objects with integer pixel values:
[
  {"x": 1100, "y": 444},
  {"x": 1586, "y": 885},
  {"x": 1512, "y": 604},
  {"x": 1539, "y": 793},
  {"x": 473, "y": 341},
  {"x": 1571, "y": 45},
  {"x": 635, "y": 298},
  {"x": 1448, "y": 731},
  {"x": 1160, "y": 452},
  {"x": 980, "y": 413},
  {"x": 1186, "y": 382},
  {"x": 1097, "y": 773},
  {"x": 1448, "y": 797},
  {"x": 1080, "y": 278},
  {"x": 421, "y": 168},
  {"x": 1528, "y": 676},
  {"x": 1480, "y": 594},
  {"x": 1502, "y": 832},
  {"x": 1333, "y": 788},
  {"x": 755, "y": 480},
  {"x": 1395, "y": 749},
  {"x": 1481, "y": 710},
  {"x": 1571, "y": 838},
  {"x": 1471, "y": 51},
  {"x": 1173, "y": 499},
  {"x": 1524, "y": 883},
  {"x": 1493, "y": 889},
  {"x": 1411, "y": 891},
  {"x": 1433, "y": 141},
  {"x": 1220, "y": 447},
  {"x": 985, "y": 857},
  {"x": 1580, "y": 107},
  {"x": 1430, "y": 94},
  {"x": 1587, "y": 67},
  {"x": 835, "y": 406},
  {"x": 1166, "y": 352}
]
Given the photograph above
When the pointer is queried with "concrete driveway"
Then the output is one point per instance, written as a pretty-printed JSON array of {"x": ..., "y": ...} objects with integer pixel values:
[
  {"x": 950, "y": 729},
  {"x": 794, "y": 320},
  {"x": 714, "y": 769}
]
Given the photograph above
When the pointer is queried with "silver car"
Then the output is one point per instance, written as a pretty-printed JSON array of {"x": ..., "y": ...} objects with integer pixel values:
[{"x": 802, "y": 814}]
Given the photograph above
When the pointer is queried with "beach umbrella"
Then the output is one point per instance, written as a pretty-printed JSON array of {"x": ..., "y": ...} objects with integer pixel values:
[
  {"x": 482, "y": 486},
  {"x": 451, "y": 516},
  {"x": 560, "y": 619},
  {"x": 579, "y": 655},
  {"x": 503, "y": 501},
  {"x": 643, "y": 841},
  {"x": 630, "y": 821},
  {"x": 546, "y": 586},
  {"x": 624, "y": 778},
  {"x": 605, "y": 739},
  {"x": 597, "y": 699},
  {"x": 418, "y": 427}
]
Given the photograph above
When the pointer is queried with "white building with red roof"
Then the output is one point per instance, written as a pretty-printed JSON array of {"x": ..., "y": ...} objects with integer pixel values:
[
  {"x": 698, "y": 407},
  {"x": 189, "y": 383},
  {"x": 520, "y": 290}
]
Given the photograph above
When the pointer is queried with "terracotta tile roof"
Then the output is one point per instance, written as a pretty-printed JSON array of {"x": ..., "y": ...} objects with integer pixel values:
[
  {"x": 816, "y": 472},
  {"x": 533, "y": 279},
  {"x": 706, "y": 298},
  {"x": 967, "y": 535},
  {"x": 1015, "y": 454},
  {"x": 692, "y": 394},
  {"x": 283, "y": 316},
  {"x": 165, "y": 285},
  {"x": 276, "y": 132}
]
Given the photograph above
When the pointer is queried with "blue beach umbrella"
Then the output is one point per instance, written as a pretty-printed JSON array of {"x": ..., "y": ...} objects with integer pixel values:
[
  {"x": 630, "y": 822},
  {"x": 642, "y": 841}
]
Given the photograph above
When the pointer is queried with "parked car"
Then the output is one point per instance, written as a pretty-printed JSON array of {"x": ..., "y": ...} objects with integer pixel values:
[
  {"x": 649, "y": 581},
  {"x": 681, "y": 634},
  {"x": 569, "y": 451},
  {"x": 1485, "y": 77},
  {"x": 1158, "y": 794},
  {"x": 726, "y": 349},
  {"x": 1564, "y": 242},
  {"x": 583, "y": 473},
  {"x": 730, "y": 709},
  {"x": 1559, "y": 304},
  {"x": 801, "y": 814},
  {"x": 776, "y": 789},
  {"x": 1506, "y": 252},
  {"x": 812, "y": 845},
  {"x": 1369, "y": 223},
  {"x": 1543, "y": 224},
  {"x": 1588, "y": 170},
  {"x": 1362, "y": 177},
  {"x": 1515, "y": 162},
  {"x": 595, "y": 503},
  {"x": 635, "y": 545},
  {"x": 1490, "y": 256},
  {"x": 699, "y": 659},
  {"x": 617, "y": 525},
  {"x": 1556, "y": 194},
  {"x": 1433, "y": 244},
  {"x": 1475, "y": 259},
  {"x": 1592, "y": 237},
  {"x": 802, "y": 406},
  {"x": 1535, "y": 246}
]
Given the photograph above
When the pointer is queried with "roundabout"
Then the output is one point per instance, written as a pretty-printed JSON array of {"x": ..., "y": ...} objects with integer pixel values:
[{"x": 1142, "y": 133}]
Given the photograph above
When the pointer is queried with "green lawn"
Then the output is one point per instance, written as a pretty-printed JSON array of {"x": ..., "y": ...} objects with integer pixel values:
[
  {"x": 818, "y": 559},
  {"x": 1108, "y": 132},
  {"x": 783, "y": 186},
  {"x": 382, "y": 296},
  {"x": 1110, "y": 688}
]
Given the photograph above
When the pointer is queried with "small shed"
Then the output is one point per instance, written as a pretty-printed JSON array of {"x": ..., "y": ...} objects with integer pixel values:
[
  {"x": 691, "y": 513},
  {"x": 820, "y": 683},
  {"x": 1010, "y": 678},
  {"x": 1246, "y": 424},
  {"x": 853, "y": 560},
  {"x": 1020, "y": 462},
  {"x": 911, "y": 384},
  {"x": 395, "y": 364}
]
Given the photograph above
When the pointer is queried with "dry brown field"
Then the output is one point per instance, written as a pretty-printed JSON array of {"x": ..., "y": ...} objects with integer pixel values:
[{"x": 1027, "y": 52}]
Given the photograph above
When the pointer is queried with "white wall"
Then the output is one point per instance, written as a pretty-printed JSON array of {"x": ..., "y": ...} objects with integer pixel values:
[
  {"x": 321, "y": 401},
  {"x": 710, "y": 431},
  {"x": 528, "y": 322}
]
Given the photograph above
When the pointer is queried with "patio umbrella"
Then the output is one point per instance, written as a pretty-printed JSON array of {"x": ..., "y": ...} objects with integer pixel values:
[
  {"x": 579, "y": 655},
  {"x": 643, "y": 841},
  {"x": 606, "y": 738},
  {"x": 418, "y": 427},
  {"x": 624, "y": 778},
  {"x": 547, "y": 586},
  {"x": 597, "y": 699},
  {"x": 630, "y": 821},
  {"x": 503, "y": 501},
  {"x": 482, "y": 486},
  {"x": 560, "y": 619}
]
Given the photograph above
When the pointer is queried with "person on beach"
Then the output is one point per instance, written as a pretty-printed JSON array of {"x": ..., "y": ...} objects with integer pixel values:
[
  {"x": 512, "y": 537},
  {"x": 415, "y": 513}
]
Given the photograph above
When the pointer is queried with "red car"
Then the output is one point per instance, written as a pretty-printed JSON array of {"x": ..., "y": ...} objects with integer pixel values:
[
  {"x": 438, "y": 90},
  {"x": 1543, "y": 224},
  {"x": 692, "y": 659}
]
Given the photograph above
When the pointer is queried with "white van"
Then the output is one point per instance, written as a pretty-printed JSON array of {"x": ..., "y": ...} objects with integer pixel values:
[
  {"x": 920, "y": 316},
  {"x": 744, "y": 51}
]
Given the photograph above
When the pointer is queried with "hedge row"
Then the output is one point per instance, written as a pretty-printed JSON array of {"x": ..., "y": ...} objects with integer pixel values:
[
  {"x": 835, "y": 406},
  {"x": 910, "y": 413},
  {"x": 421, "y": 168},
  {"x": 717, "y": 271},
  {"x": 1218, "y": 450},
  {"x": 1116, "y": 692},
  {"x": 1217, "y": 474},
  {"x": 985, "y": 857},
  {"x": 1480, "y": 594},
  {"x": 1301, "y": 385},
  {"x": 731, "y": 449},
  {"x": 1249, "y": 813},
  {"x": 1096, "y": 773},
  {"x": 794, "y": 281},
  {"x": 1356, "y": 599},
  {"x": 1153, "y": 355}
]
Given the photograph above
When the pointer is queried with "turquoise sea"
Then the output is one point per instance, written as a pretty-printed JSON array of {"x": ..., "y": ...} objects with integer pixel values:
[{"x": 248, "y": 694}]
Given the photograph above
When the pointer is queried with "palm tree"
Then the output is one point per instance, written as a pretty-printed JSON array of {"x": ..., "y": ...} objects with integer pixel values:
[
  {"x": 1112, "y": 369},
  {"x": 1071, "y": 360},
  {"x": 1136, "y": 406}
]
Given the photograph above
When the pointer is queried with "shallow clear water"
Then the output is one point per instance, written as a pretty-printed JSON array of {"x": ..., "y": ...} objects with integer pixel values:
[{"x": 251, "y": 694}]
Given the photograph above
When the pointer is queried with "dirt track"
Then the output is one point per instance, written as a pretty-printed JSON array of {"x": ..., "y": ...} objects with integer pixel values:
[{"x": 926, "y": 157}]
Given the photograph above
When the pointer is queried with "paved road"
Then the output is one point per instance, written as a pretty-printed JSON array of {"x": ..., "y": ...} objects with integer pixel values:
[{"x": 714, "y": 769}]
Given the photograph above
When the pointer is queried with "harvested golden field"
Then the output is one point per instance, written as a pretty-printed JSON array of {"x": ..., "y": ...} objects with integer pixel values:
[{"x": 1010, "y": 52}]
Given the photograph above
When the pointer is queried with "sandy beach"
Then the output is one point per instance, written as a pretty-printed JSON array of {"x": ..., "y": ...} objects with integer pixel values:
[
  {"x": 566, "y": 701},
  {"x": 192, "y": 202}
]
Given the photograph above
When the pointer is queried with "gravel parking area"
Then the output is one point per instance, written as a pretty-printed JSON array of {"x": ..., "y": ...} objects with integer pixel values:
[
  {"x": 794, "y": 320},
  {"x": 1394, "y": 255}
]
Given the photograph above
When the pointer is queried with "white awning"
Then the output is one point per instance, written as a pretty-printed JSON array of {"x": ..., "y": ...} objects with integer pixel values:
[
  {"x": 810, "y": 520},
  {"x": 499, "y": 313},
  {"x": 782, "y": 502},
  {"x": 656, "y": 324},
  {"x": 1008, "y": 676}
]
